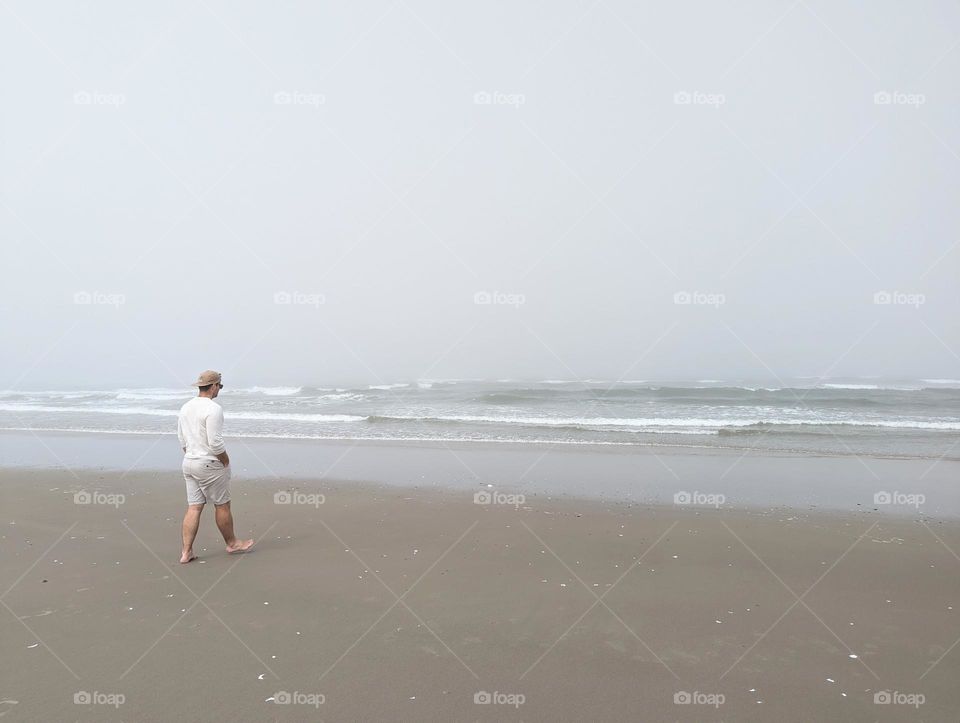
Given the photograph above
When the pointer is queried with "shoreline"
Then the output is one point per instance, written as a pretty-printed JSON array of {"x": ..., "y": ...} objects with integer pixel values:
[
  {"x": 441, "y": 442},
  {"x": 748, "y": 480}
]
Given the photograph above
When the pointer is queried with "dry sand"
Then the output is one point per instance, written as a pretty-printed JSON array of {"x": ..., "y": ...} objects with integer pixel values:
[{"x": 384, "y": 603}]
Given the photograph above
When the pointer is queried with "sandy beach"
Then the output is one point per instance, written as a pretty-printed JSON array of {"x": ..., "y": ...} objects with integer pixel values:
[{"x": 368, "y": 601}]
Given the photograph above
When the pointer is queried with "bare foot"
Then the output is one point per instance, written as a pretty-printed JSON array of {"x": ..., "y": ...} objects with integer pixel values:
[
  {"x": 240, "y": 546},
  {"x": 187, "y": 557}
]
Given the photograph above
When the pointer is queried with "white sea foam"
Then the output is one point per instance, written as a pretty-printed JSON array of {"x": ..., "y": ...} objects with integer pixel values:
[
  {"x": 158, "y": 393},
  {"x": 684, "y": 422},
  {"x": 871, "y": 387},
  {"x": 146, "y": 411},
  {"x": 155, "y": 396},
  {"x": 296, "y": 417},
  {"x": 849, "y": 386},
  {"x": 50, "y": 393},
  {"x": 272, "y": 391},
  {"x": 352, "y": 437},
  {"x": 757, "y": 389},
  {"x": 87, "y": 410},
  {"x": 652, "y": 423}
]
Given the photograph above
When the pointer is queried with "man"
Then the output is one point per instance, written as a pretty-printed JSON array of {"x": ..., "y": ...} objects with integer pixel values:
[{"x": 206, "y": 465}]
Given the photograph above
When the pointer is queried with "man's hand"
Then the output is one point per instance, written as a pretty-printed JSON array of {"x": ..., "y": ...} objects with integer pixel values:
[{"x": 224, "y": 459}]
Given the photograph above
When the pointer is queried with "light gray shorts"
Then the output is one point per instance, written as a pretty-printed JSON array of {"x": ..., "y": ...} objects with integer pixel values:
[{"x": 207, "y": 481}]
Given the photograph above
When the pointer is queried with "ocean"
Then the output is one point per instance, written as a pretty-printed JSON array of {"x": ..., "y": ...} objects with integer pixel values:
[{"x": 904, "y": 418}]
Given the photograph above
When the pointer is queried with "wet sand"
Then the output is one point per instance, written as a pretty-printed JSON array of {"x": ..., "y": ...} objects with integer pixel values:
[
  {"x": 396, "y": 603},
  {"x": 648, "y": 475}
]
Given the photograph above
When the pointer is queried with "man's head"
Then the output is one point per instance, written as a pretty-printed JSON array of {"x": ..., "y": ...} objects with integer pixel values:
[{"x": 209, "y": 383}]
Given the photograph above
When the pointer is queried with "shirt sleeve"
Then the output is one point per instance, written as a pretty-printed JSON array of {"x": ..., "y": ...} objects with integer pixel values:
[
  {"x": 215, "y": 430},
  {"x": 183, "y": 440}
]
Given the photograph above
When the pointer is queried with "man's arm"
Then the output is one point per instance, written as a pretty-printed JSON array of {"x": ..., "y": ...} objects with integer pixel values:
[
  {"x": 183, "y": 441},
  {"x": 215, "y": 435}
]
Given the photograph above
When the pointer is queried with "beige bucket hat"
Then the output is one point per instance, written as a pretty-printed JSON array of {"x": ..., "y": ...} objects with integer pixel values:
[{"x": 208, "y": 377}]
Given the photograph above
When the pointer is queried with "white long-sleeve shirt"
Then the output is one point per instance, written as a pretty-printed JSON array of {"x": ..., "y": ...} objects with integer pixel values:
[{"x": 200, "y": 428}]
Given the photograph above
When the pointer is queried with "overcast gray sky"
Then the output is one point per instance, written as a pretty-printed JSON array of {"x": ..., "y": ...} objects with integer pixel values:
[{"x": 183, "y": 166}]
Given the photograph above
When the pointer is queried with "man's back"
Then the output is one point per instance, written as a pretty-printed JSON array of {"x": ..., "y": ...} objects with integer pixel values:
[{"x": 200, "y": 428}]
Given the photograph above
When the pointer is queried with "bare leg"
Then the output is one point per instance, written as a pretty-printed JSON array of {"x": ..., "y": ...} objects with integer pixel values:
[
  {"x": 225, "y": 523},
  {"x": 191, "y": 523}
]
